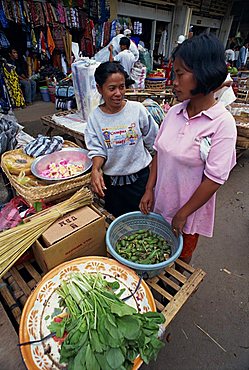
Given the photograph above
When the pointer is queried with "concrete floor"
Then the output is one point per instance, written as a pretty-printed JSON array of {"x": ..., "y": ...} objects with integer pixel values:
[{"x": 220, "y": 307}]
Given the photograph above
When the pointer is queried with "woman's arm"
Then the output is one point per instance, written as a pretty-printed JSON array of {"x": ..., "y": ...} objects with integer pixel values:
[
  {"x": 111, "y": 58},
  {"x": 202, "y": 194},
  {"x": 97, "y": 181},
  {"x": 147, "y": 200}
]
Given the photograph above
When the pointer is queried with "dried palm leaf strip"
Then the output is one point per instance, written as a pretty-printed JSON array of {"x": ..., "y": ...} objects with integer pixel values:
[{"x": 14, "y": 242}]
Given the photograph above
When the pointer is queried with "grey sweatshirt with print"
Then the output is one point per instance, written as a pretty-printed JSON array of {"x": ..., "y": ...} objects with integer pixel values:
[{"x": 124, "y": 139}]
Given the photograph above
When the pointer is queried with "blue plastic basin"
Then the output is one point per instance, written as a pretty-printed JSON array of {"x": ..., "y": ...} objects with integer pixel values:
[{"x": 133, "y": 221}]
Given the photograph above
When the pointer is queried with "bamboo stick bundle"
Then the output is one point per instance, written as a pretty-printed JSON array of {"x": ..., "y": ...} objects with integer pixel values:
[{"x": 14, "y": 242}]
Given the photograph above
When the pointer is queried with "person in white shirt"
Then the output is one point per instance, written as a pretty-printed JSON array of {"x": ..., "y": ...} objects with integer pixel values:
[
  {"x": 230, "y": 56},
  {"x": 125, "y": 56}
]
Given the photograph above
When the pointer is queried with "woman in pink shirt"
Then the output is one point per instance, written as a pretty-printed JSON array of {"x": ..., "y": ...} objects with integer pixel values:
[{"x": 195, "y": 146}]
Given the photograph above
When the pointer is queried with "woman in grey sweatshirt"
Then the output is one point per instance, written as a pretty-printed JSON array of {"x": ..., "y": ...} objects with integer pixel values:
[{"x": 119, "y": 136}]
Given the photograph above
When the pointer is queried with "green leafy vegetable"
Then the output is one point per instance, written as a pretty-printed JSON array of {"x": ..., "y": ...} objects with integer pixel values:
[{"x": 103, "y": 332}]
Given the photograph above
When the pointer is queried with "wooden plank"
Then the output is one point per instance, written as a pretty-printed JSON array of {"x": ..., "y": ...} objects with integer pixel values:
[
  {"x": 159, "y": 305},
  {"x": 22, "y": 284},
  {"x": 161, "y": 291},
  {"x": 185, "y": 266},
  {"x": 177, "y": 275},
  {"x": 9, "y": 300},
  {"x": 32, "y": 271},
  {"x": 169, "y": 282},
  {"x": 182, "y": 296}
]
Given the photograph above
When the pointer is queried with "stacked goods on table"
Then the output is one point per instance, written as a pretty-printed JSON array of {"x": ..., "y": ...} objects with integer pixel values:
[
  {"x": 58, "y": 171},
  {"x": 17, "y": 167},
  {"x": 156, "y": 80},
  {"x": 241, "y": 116}
]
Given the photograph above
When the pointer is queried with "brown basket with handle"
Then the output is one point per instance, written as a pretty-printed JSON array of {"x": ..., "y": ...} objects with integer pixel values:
[
  {"x": 155, "y": 85},
  {"x": 43, "y": 191}
]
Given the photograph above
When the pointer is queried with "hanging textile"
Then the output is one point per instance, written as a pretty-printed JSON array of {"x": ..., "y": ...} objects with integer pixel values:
[
  {"x": 36, "y": 13},
  {"x": 113, "y": 31},
  {"x": 53, "y": 10},
  {"x": 26, "y": 11},
  {"x": 103, "y": 10},
  {"x": 106, "y": 38},
  {"x": 67, "y": 40},
  {"x": 93, "y": 9},
  {"x": 50, "y": 41},
  {"x": 12, "y": 83},
  {"x": 82, "y": 19},
  {"x": 162, "y": 44},
  {"x": 58, "y": 32},
  {"x": 3, "y": 20},
  {"x": 5, "y": 102},
  {"x": 4, "y": 42},
  {"x": 33, "y": 39},
  {"x": 61, "y": 13},
  {"x": 18, "y": 12},
  {"x": 42, "y": 43},
  {"x": 51, "y": 18},
  {"x": 8, "y": 10}
]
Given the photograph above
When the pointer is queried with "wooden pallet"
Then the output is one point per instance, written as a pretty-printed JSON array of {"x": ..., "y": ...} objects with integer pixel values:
[
  {"x": 16, "y": 286},
  {"x": 171, "y": 288}
]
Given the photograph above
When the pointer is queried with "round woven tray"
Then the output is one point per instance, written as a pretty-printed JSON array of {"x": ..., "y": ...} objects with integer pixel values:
[
  {"x": 242, "y": 142},
  {"x": 155, "y": 85},
  {"x": 243, "y": 131},
  {"x": 46, "y": 192}
]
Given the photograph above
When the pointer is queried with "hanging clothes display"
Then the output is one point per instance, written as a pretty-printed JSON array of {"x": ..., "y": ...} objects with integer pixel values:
[
  {"x": 50, "y": 41},
  {"x": 67, "y": 40},
  {"x": 162, "y": 44},
  {"x": 12, "y": 83},
  {"x": 4, "y": 42},
  {"x": 48, "y": 26},
  {"x": 3, "y": 19}
]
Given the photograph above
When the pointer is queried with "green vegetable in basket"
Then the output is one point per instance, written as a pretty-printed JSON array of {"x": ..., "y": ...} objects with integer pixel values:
[
  {"x": 104, "y": 333},
  {"x": 144, "y": 247}
]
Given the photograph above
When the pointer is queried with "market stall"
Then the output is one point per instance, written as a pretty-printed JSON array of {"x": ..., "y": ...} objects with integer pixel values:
[{"x": 66, "y": 224}]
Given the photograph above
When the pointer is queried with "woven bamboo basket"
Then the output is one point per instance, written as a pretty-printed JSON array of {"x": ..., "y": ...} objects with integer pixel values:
[
  {"x": 155, "y": 85},
  {"x": 243, "y": 130},
  {"x": 47, "y": 192},
  {"x": 242, "y": 142}
]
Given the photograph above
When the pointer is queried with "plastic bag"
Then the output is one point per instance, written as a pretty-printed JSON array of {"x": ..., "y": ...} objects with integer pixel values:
[
  {"x": 103, "y": 54},
  {"x": 86, "y": 93},
  {"x": 145, "y": 58},
  {"x": 138, "y": 74},
  {"x": 16, "y": 210}
]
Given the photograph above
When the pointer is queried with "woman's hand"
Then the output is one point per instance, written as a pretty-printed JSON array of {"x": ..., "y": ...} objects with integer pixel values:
[
  {"x": 178, "y": 222},
  {"x": 97, "y": 182},
  {"x": 147, "y": 201}
]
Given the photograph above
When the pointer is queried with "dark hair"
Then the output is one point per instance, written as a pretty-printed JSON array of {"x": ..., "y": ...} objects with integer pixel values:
[
  {"x": 10, "y": 49},
  {"x": 125, "y": 41},
  {"x": 104, "y": 70},
  {"x": 204, "y": 55}
]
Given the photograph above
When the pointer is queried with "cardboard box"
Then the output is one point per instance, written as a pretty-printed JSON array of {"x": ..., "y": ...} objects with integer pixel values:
[{"x": 77, "y": 234}]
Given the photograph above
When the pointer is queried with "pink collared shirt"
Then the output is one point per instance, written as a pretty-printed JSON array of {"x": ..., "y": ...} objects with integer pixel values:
[{"x": 180, "y": 168}]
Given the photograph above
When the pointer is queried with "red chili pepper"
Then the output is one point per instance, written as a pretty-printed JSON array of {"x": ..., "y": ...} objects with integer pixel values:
[
  {"x": 60, "y": 340},
  {"x": 58, "y": 319}
]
